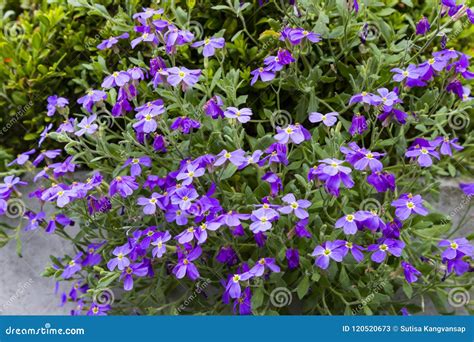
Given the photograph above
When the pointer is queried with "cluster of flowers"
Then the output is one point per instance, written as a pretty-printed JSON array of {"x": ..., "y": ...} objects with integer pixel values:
[{"x": 176, "y": 197}]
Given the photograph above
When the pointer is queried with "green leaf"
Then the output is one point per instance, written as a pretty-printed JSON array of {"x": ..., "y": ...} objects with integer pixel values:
[
  {"x": 303, "y": 287},
  {"x": 407, "y": 289},
  {"x": 229, "y": 171}
]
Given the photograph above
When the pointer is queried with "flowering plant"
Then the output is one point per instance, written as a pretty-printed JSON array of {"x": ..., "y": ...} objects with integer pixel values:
[{"x": 299, "y": 183}]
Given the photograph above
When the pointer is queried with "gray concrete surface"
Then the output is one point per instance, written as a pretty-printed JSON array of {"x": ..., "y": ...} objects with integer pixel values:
[{"x": 24, "y": 292}]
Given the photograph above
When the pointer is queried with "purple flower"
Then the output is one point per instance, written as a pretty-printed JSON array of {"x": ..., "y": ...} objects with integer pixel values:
[
  {"x": 55, "y": 102},
  {"x": 136, "y": 165},
  {"x": 423, "y": 151},
  {"x": 296, "y": 206},
  {"x": 175, "y": 37},
  {"x": 411, "y": 273},
  {"x": 262, "y": 219},
  {"x": 242, "y": 115},
  {"x": 408, "y": 204},
  {"x": 422, "y": 26},
  {"x": 227, "y": 255},
  {"x": 9, "y": 184},
  {"x": 121, "y": 261},
  {"x": 392, "y": 229},
  {"x": 61, "y": 219},
  {"x": 145, "y": 36},
  {"x": 262, "y": 264},
  {"x": 118, "y": 78},
  {"x": 34, "y": 220},
  {"x": 358, "y": 125},
  {"x": 138, "y": 270},
  {"x": 457, "y": 264},
  {"x": 328, "y": 119},
  {"x": 447, "y": 145},
  {"x": 293, "y": 258},
  {"x": 185, "y": 265},
  {"x": 355, "y": 250},
  {"x": 159, "y": 242},
  {"x": 98, "y": 310},
  {"x": 364, "y": 97},
  {"x": 124, "y": 185},
  {"x": 265, "y": 74},
  {"x": 214, "y": 107},
  {"x": 149, "y": 204},
  {"x": 72, "y": 267},
  {"x": 252, "y": 159},
  {"x": 233, "y": 289},
  {"x": 277, "y": 153},
  {"x": 210, "y": 45},
  {"x": 470, "y": 15},
  {"x": 297, "y": 35},
  {"x": 146, "y": 123},
  {"x": 110, "y": 42},
  {"x": 460, "y": 245},
  {"x": 387, "y": 98},
  {"x": 92, "y": 97},
  {"x": 87, "y": 126},
  {"x": 183, "y": 197},
  {"x": 412, "y": 72},
  {"x": 183, "y": 76},
  {"x": 244, "y": 302},
  {"x": 467, "y": 188},
  {"x": 333, "y": 173},
  {"x": 22, "y": 158},
  {"x": 393, "y": 115},
  {"x": 187, "y": 175},
  {"x": 275, "y": 183},
  {"x": 369, "y": 159},
  {"x": 147, "y": 13},
  {"x": 236, "y": 157},
  {"x": 382, "y": 181},
  {"x": 294, "y": 133},
  {"x": 328, "y": 250},
  {"x": 348, "y": 223},
  {"x": 185, "y": 124},
  {"x": 380, "y": 251},
  {"x": 300, "y": 229},
  {"x": 456, "y": 87},
  {"x": 92, "y": 258},
  {"x": 50, "y": 154}
]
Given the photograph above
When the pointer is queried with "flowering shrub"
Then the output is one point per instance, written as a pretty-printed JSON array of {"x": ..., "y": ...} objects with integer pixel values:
[{"x": 297, "y": 184}]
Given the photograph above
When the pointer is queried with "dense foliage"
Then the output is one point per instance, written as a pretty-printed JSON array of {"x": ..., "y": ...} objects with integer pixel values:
[{"x": 264, "y": 158}]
